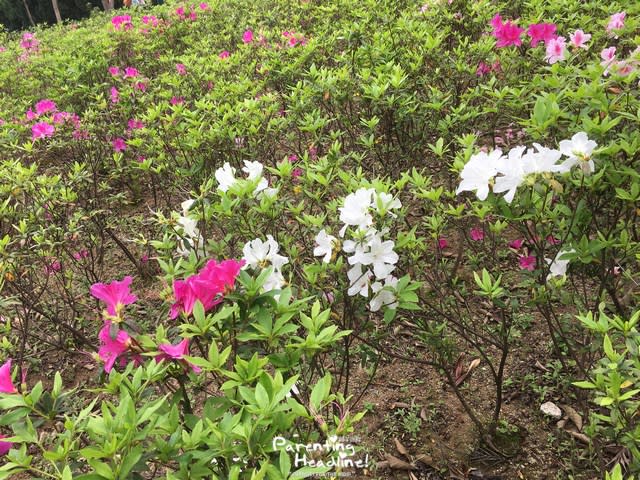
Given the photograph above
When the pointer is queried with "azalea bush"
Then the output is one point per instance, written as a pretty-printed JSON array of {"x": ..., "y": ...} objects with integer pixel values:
[{"x": 269, "y": 196}]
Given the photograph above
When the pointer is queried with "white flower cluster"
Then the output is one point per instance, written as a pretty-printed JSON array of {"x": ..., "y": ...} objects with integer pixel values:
[
  {"x": 371, "y": 255},
  {"x": 507, "y": 173},
  {"x": 226, "y": 177},
  {"x": 259, "y": 254},
  {"x": 191, "y": 239}
]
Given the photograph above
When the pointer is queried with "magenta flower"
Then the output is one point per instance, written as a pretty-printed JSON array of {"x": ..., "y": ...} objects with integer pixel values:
[
  {"x": 193, "y": 16},
  {"x": 207, "y": 286},
  {"x": 508, "y": 34},
  {"x": 54, "y": 266},
  {"x": 180, "y": 12},
  {"x": 176, "y": 100},
  {"x": 442, "y": 243},
  {"x": 142, "y": 86},
  {"x": 182, "y": 70},
  {"x": 579, "y": 39},
  {"x": 4, "y": 446},
  {"x": 541, "y": 32},
  {"x": 119, "y": 145},
  {"x": 296, "y": 172},
  {"x": 553, "y": 240},
  {"x": 115, "y": 294},
  {"x": 6, "y": 384},
  {"x": 42, "y": 130},
  {"x": 131, "y": 72},
  {"x": 135, "y": 124},
  {"x": 247, "y": 36},
  {"x": 224, "y": 54},
  {"x": 616, "y": 22},
  {"x": 114, "y": 71},
  {"x": 527, "y": 263},
  {"x": 483, "y": 69},
  {"x": 204, "y": 6},
  {"x": 496, "y": 21},
  {"x": 30, "y": 115},
  {"x": 81, "y": 254},
  {"x": 122, "y": 21},
  {"x": 556, "y": 50},
  {"x": 110, "y": 348},
  {"x": 176, "y": 352},
  {"x": 476, "y": 234},
  {"x": 516, "y": 244},
  {"x": 115, "y": 95},
  {"x": 44, "y": 106}
]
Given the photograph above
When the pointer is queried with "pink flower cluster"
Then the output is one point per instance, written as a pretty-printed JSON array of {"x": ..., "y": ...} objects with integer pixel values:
[
  {"x": 191, "y": 15},
  {"x": 122, "y": 22},
  {"x": 44, "y": 128},
  {"x": 485, "y": 69},
  {"x": 207, "y": 286},
  {"x": 29, "y": 42},
  {"x": 619, "y": 67},
  {"x": 294, "y": 39}
]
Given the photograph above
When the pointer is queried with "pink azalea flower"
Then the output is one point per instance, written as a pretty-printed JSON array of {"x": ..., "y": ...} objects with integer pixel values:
[
  {"x": 4, "y": 446},
  {"x": 114, "y": 71},
  {"x": 42, "y": 130},
  {"x": 496, "y": 66},
  {"x": 608, "y": 56},
  {"x": 224, "y": 54},
  {"x": 516, "y": 244},
  {"x": 31, "y": 114},
  {"x": 247, "y": 36},
  {"x": 180, "y": 12},
  {"x": 115, "y": 294},
  {"x": 54, "y": 266},
  {"x": 313, "y": 153},
  {"x": 176, "y": 100},
  {"x": 624, "y": 68},
  {"x": 616, "y": 22},
  {"x": 131, "y": 72},
  {"x": 81, "y": 254},
  {"x": 293, "y": 158},
  {"x": 208, "y": 286},
  {"x": 122, "y": 21},
  {"x": 541, "y": 32},
  {"x": 6, "y": 384},
  {"x": 119, "y": 145},
  {"x": 176, "y": 352},
  {"x": 527, "y": 263},
  {"x": 182, "y": 70},
  {"x": 115, "y": 95},
  {"x": 110, "y": 348},
  {"x": 579, "y": 39},
  {"x": 204, "y": 6},
  {"x": 44, "y": 106},
  {"x": 142, "y": 86},
  {"x": 193, "y": 16},
  {"x": 553, "y": 240},
  {"x": 483, "y": 69},
  {"x": 476, "y": 234},
  {"x": 508, "y": 34},
  {"x": 556, "y": 50},
  {"x": 135, "y": 124},
  {"x": 496, "y": 21},
  {"x": 442, "y": 243}
]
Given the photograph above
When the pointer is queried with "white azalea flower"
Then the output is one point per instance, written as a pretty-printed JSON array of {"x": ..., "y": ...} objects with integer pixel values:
[
  {"x": 385, "y": 202},
  {"x": 275, "y": 281},
  {"x": 543, "y": 160},
  {"x": 359, "y": 281},
  {"x": 355, "y": 211},
  {"x": 259, "y": 254},
  {"x": 513, "y": 170},
  {"x": 579, "y": 148},
  {"x": 252, "y": 169},
  {"x": 186, "y": 205},
  {"x": 558, "y": 267},
  {"x": 384, "y": 295},
  {"x": 478, "y": 172},
  {"x": 225, "y": 176},
  {"x": 325, "y": 243}
]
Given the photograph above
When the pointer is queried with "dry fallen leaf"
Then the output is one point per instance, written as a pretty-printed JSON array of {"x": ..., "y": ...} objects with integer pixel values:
[
  {"x": 573, "y": 416},
  {"x": 396, "y": 464},
  {"x": 401, "y": 448}
]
